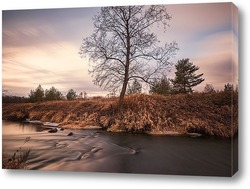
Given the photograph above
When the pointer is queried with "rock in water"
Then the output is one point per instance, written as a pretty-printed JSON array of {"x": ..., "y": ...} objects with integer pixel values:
[
  {"x": 70, "y": 134},
  {"x": 61, "y": 129},
  {"x": 54, "y": 130},
  {"x": 134, "y": 151},
  {"x": 50, "y": 124},
  {"x": 37, "y": 122},
  {"x": 194, "y": 135}
]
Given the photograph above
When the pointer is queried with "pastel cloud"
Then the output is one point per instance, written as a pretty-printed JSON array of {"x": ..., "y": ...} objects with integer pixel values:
[
  {"x": 41, "y": 46},
  {"x": 59, "y": 67},
  {"x": 207, "y": 35},
  {"x": 216, "y": 59}
]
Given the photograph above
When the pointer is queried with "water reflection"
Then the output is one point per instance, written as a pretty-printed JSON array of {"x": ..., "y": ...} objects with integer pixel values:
[{"x": 21, "y": 128}]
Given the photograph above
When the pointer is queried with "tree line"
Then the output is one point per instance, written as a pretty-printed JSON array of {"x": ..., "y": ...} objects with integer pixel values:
[
  {"x": 183, "y": 83},
  {"x": 164, "y": 87},
  {"x": 39, "y": 94}
]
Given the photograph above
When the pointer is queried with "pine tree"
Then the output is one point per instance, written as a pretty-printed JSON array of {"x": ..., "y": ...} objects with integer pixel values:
[
  {"x": 71, "y": 95},
  {"x": 209, "y": 89},
  {"x": 37, "y": 94},
  {"x": 162, "y": 86},
  {"x": 228, "y": 87},
  {"x": 53, "y": 94},
  {"x": 185, "y": 77}
]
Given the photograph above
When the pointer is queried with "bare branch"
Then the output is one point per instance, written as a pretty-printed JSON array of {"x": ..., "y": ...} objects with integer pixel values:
[{"x": 123, "y": 47}]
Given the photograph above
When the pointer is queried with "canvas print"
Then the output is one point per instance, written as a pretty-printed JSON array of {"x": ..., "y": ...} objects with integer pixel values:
[{"x": 121, "y": 89}]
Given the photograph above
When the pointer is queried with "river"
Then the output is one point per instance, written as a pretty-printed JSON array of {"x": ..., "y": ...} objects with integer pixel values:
[{"x": 101, "y": 151}]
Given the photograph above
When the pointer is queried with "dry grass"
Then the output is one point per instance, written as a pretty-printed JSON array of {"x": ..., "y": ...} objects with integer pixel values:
[
  {"x": 18, "y": 159},
  {"x": 210, "y": 114}
]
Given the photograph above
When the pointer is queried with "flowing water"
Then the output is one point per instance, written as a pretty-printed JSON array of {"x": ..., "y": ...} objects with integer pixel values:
[{"x": 101, "y": 151}]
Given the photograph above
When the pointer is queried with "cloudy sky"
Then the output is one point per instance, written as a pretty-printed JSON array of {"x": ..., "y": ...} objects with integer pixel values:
[{"x": 41, "y": 46}]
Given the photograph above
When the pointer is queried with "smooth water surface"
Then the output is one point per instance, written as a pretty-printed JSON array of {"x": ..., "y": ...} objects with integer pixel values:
[{"x": 101, "y": 151}]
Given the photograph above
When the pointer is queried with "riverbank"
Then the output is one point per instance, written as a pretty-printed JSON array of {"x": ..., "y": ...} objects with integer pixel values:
[{"x": 208, "y": 114}]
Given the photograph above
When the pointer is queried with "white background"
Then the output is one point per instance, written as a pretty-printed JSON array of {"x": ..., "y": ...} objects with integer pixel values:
[{"x": 60, "y": 180}]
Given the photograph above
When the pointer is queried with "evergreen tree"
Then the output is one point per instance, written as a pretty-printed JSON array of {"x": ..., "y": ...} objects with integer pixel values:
[
  {"x": 71, "y": 95},
  {"x": 37, "y": 94},
  {"x": 209, "y": 89},
  {"x": 162, "y": 86},
  {"x": 185, "y": 77},
  {"x": 53, "y": 94},
  {"x": 228, "y": 87}
]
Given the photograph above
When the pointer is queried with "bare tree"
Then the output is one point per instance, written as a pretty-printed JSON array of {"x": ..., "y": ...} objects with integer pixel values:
[
  {"x": 85, "y": 95},
  {"x": 123, "y": 47},
  {"x": 4, "y": 91},
  {"x": 134, "y": 88}
]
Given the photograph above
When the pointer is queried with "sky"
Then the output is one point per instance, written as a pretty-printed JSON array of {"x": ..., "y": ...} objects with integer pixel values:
[{"x": 41, "y": 46}]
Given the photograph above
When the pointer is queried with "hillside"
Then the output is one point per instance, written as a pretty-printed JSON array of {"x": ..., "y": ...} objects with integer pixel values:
[{"x": 208, "y": 114}]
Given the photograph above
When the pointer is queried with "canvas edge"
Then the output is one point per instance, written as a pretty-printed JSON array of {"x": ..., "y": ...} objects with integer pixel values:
[{"x": 235, "y": 47}]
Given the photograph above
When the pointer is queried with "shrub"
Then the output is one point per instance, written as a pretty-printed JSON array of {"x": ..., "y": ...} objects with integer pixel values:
[{"x": 71, "y": 95}]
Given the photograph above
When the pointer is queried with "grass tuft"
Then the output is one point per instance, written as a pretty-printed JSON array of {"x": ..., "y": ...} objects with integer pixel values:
[{"x": 18, "y": 159}]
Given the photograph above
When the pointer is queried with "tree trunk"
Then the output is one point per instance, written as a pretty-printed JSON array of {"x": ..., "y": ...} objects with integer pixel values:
[
  {"x": 125, "y": 81},
  {"x": 122, "y": 94}
]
